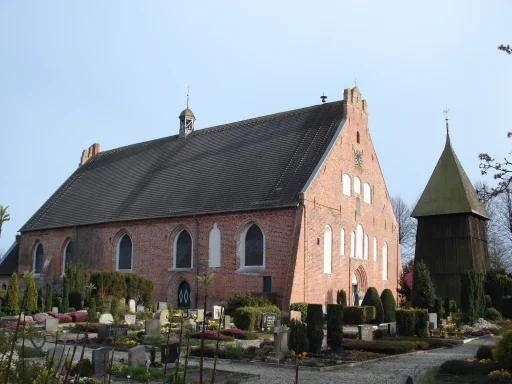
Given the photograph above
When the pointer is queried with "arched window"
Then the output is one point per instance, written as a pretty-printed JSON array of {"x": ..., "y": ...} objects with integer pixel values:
[
  {"x": 342, "y": 242},
  {"x": 358, "y": 207},
  {"x": 359, "y": 242},
  {"x": 253, "y": 247},
  {"x": 346, "y": 184},
  {"x": 367, "y": 197},
  {"x": 357, "y": 185},
  {"x": 327, "y": 249},
  {"x": 183, "y": 250},
  {"x": 67, "y": 256},
  {"x": 214, "y": 247},
  {"x": 385, "y": 261},
  {"x": 365, "y": 247},
  {"x": 124, "y": 253},
  {"x": 357, "y": 137},
  {"x": 38, "y": 258},
  {"x": 352, "y": 241},
  {"x": 374, "y": 249}
]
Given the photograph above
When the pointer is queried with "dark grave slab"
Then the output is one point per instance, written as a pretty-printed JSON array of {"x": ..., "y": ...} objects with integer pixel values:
[
  {"x": 112, "y": 330},
  {"x": 169, "y": 353},
  {"x": 9, "y": 322},
  {"x": 100, "y": 360}
]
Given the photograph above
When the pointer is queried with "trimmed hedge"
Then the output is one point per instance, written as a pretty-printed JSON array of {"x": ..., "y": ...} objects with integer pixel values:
[
  {"x": 389, "y": 305},
  {"x": 302, "y": 308},
  {"x": 372, "y": 299},
  {"x": 249, "y": 318},
  {"x": 315, "y": 327},
  {"x": 439, "y": 308},
  {"x": 506, "y": 306},
  {"x": 421, "y": 322},
  {"x": 498, "y": 285},
  {"x": 341, "y": 297},
  {"x": 371, "y": 314},
  {"x": 334, "y": 325},
  {"x": 387, "y": 347},
  {"x": 241, "y": 300},
  {"x": 354, "y": 315},
  {"x": 405, "y": 321},
  {"x": 492, "y": 314},
  {"x": 298, "y": 340},
  {"x": 488, "y": 301}
]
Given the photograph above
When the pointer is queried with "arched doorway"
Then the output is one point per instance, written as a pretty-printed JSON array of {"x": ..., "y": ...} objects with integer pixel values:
[
  {"x": 359, "y": 285},
  {"x": 184, "y": 295}
]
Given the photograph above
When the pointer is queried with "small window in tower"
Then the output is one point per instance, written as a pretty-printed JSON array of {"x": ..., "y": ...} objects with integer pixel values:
[
  {"x": 357, "y": 137},
  {"x": 358, "y": 207}
]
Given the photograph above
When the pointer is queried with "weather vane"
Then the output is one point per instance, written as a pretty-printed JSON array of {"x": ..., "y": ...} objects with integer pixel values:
[
  {"x": 355, "y": 82},
  {"x": 446, "y": 114},
  {"x": 188, "y": 93},
  {"x": 323, "y": 97}
]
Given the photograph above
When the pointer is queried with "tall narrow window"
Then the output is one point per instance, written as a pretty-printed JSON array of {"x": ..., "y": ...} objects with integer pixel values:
[
  {"x": 183, "y": 250},
  {"x": 357, "y": 137},
  {"x": 124, "y": 254},
  {"x": 254, "y": 247},
  {"x": 342, "y": 242},
  {"x": 374, "y": 249},
  {"x": 367, "y": 196},
  {"x": 68, "y": 256},
  {"x": 346, "y": 184},
  {"x": 38, "y": 258},
  {"x": 359, "y": 242},
  {"x": 352, "y": 241},
  {"x": 357, "y": 185},
  {"x": 358, "y": 207},
  {"x": 385, "y": 261},
  {"x": 214, "y": 247},
  {"x": 365, "y": 251},
  {"x": 327, "y": 249}
]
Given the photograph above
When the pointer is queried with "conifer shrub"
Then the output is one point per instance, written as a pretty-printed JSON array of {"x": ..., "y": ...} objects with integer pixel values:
[
  {"x": 421, "y": 322},
  {"x": 405, "y": 321},
  {"x": 423, "y": 289},
  {"x": 40, "y": 305},
  {"x": 371, "y": 314},
  {"x": 334, "y": 325},
  {"x": 354, "y": 315},
  {"x": 372, "y": 299},
  {"x": 315, "y": 326},
  {"x": 484, "y": 352},
  {"x": 439, "y": 308},
  {"x": 241, "y": 300},
  {"x": 473, "y": 301},
  {"x": 502, "y": 352},
  {"x": 498, "y": 285},
  {"x": 447, "y": 306},
  {"x": 298, "y": 339},
  {"x": 31, "y": 298},
  {"x": 492, "y": 314},
  {"x": 506, "y": 307},
  {"x": 389, "y": 305},
  {"x": 488, "y": 301},
  {"x": 75, "y": 300},
  {"x": 302, "y": 308},
  {"x": 48, "y": 297},
  {"x": 92, "y": 312},
  {"x": 114, "y": 310},
  {"x": 65, "y": 297},
  {"x": 11, "y": 301},
  {"x": 341, "y": 297}
]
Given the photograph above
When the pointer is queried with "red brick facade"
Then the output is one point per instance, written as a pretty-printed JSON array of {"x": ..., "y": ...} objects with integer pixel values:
[{"x": 294, "y": 238}]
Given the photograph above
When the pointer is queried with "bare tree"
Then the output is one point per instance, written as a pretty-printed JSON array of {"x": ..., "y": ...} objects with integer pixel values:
[
  {"x": 4, "y": 216},
  {"x": 406, "y": 228}
]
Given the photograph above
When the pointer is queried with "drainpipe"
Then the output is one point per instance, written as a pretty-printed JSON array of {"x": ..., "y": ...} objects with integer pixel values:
[{"x": 197, "y": 260}]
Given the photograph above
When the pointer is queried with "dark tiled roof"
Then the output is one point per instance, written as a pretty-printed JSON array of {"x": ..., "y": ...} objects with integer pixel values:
[
  {"x": 253, "y": 164},
  {"x": 449, "y": 189},
  {"x": 9, "y": 263}
]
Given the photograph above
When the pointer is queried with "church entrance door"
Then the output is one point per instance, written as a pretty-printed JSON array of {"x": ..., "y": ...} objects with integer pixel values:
[{"x": 184, "y": 295}]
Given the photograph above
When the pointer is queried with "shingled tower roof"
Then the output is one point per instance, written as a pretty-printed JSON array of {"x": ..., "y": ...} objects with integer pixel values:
[{"x": 449, "y": 190}]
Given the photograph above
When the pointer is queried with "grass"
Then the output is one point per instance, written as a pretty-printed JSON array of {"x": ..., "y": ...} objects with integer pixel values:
[
  {"x": 30, "y": 352},
  {"x": 399, "y": 345}
]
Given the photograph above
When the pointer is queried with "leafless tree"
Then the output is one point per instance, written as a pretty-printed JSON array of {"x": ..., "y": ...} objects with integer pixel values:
[{"x": 406, "y": 227}]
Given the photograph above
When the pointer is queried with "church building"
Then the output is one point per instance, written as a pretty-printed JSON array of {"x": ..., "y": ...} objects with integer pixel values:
[{"x": 292, "y": 206}]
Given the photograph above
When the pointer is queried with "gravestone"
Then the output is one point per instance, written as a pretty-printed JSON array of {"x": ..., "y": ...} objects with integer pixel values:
[
  {"x": 169, "y": 355},
  {"x": 9, "y": 322},
  {"x": 130, "y": 319},
  {"x": 100, "y": 360},
  {"x": 131, "y": 305},
  {"x": 392, "y": 329},
  {"x": 268, "y": 319},
  {"x": 51, "y": 324},
  {"x": 112, "y": 330},
  {"x": 280, "y": 342},
  {"x": 444, "y": 323},
  {"x": 199, "y": 326},
  {"x": 217, "y": 309},
  {"x": 141, "y": 308},
  {"x": 55, "y": 309},
  {"x": 153, "y": 331},
  {"x": 365, "y": 332},
  {"x": 432, "y": 320},
  {"x": 190, "y": 325},
  {"x": 227, "y": 322},
  {"x": 106, "y": 318},
  {"x": 137, "y": 356},
  {"x": 163, "y": 317},
  {"x": 162, "y": 306},
  {"x": 57, "y": 354},
  {"x": 199, "y": 313}
]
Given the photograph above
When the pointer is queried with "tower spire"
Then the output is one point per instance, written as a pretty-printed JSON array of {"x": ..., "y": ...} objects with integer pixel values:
[
  {"x": 446, "y": 114},
  {"x": 187, "y": 119}
]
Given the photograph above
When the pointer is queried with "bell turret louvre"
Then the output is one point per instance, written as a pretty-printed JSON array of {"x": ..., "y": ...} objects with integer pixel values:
[{"x": 187, "y": 119}]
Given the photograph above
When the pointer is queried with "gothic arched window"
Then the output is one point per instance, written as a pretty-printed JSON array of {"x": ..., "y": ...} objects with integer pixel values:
[
  {"x": 214, "y": 247},
  {"x": 124, "y": 253},
  {"x": 346, "y": 184},
  {"x": 183, "y": 250},
  {"x": 67, "y": 256},
  {"x": 327, "y": 249},
  {"x": 359, "y": 242},
  {"x": 253, "y": 247},
  {"x": 38, "y": 258},
  {"x": 385, "y": 261},
  {"x": 342, "y": 242}
]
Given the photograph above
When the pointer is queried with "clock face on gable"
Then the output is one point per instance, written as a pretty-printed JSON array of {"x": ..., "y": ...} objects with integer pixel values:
[{"x": 358, "y": 157}]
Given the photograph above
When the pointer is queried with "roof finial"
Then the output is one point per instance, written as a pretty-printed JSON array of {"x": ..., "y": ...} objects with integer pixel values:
[
  {"x": 446, "y": 113},
  {"x": 355, "y": 82},
  {"x": 323, "y": 97},
  {"x": 188, "y": 93}
]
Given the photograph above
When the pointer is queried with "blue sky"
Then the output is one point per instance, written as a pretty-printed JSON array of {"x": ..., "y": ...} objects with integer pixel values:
[{"x": 114, "y": 72}]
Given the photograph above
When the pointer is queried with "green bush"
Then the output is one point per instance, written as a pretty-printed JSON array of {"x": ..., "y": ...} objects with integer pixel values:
[
  {"x": 387, "y": 347},
  {"x": 341, "y": 297},
  {"x": 371, "y": 313},
  {"x": 64, "y": 308},
  {"x": 108, "y": 284},
  {"x": 48, "y": 297},
  {"x": 460, "y": 367},
  {"x": 405, "y": 321},
  {"x": 453, "y": 306},
  {"x": 75, "y": 300},
  {"x": 447, "y": 306},
  {"x": 85, "y": 367},
  {"x": 423, "y": 289},
  {"x": 389, "y": 305},
  {"x": 334, "y": 325},
  {"x": 92, "y": 312},
  {"x": 40, "y": 304},
  {"x": 492, "y": 314},
  {"x": 31, "y": 298},
  {"x": 302, "y": 307},
  {"x": 378, "y": 334},
  {"x": 139, "y": 289},
  {"x": 488, "y": 301},
  {"x": 498, "y": 285},
  {"x": 354, "y": 315},
  {"x": 12, "y": 306},
  {"x": 372, "y": 299},
  {"x": 473, "y": 301},
  {"x": 315, "y": 326},
  {"x": 421, "y": 322},
  {"x": 506, "y": 306},
  {"x": 298, "y": 339},
  {"x": 484, "y": 352},
  {"x": 246, "y": 336},
  {"x": 249, "y": 318},
  {"x": 244, "y": 300},
  {"x": 114, "y": 310},
  {"x": 439, "y": 308},
  {"x": 502, "y": 352}
]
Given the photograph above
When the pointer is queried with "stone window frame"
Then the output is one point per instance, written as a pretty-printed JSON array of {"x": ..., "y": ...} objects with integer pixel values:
[
  {"x": 385, "y": 261},
  {"x": 64, "y": 254},
  {"x": 357, "y": 185},
  {"x": 327, "y": 249},
  {"x": 175, "y": 248},
  {"x": 359, "y": 242},
  {"x": 214, "y": 227},
  {"x": 352, "y": 244},
  {"x": 367, "y": 193},
  {"x": 366, "y": 246},
  {"x": 251, "y": 269},
  {"x": 346, "y": 185},
  {"x": 118, "y": 246},
  {"x": 36, "y": 247}
]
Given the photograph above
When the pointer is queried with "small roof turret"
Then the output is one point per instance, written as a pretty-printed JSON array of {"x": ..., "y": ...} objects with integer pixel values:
[{"x": 187, "y": 112}]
